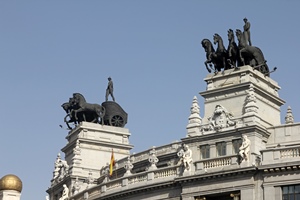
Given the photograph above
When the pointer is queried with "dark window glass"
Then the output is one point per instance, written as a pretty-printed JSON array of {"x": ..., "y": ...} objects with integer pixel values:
[
  {"x": 291, "y": 192},
  {"x": 221, "y": 148},
  {"x": 205, "y": 151}
]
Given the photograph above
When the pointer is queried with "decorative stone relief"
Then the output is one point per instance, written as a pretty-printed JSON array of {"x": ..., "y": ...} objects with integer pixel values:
[
  {"x": 250, "y": 102},
  {"x": 61, "y": 169},
  {"x": 185, "y": 157},
  {"x": 77, "y": 153},
  {"x": 289, "y": 118},
  {"x": 152, "y": 159},
  {"x": 245, "y": 149},
  {"x": 221, "y": 118},
  {"x": 128, "y": 166}
]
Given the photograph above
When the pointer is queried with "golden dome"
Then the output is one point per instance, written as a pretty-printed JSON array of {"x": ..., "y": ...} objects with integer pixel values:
[{"x": 11, "y": 182}]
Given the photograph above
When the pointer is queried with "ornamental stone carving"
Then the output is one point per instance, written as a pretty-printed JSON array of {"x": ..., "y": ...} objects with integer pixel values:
[
  {"x": 61, "y": 169},
  {"x": 250, "y": 102},
  {"x": 152, "y": 159},
  {"x": 77, "y": 153},
  {"x": 128, "y": 166},
  {"x": 221, "y": 118}
]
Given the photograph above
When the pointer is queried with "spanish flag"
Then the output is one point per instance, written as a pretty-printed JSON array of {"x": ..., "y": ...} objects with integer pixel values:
[{"x": 112, "y": 163}]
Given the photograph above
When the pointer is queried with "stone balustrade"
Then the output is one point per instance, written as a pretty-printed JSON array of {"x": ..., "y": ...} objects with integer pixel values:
[
  {"x": 214, "y": 164},
  {"x": 280, "y": 154},
  {"x": 131, "y": 181}
]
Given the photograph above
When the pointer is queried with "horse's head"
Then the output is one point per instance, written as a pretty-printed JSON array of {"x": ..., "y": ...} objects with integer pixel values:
[
  {"x": 78, "y": 98},
  {"x": 66, "y": 107},
  {"x": 230, "y": 35},
  {"x": 217, "y": 38},
  {"x": 207, "y": 45}
]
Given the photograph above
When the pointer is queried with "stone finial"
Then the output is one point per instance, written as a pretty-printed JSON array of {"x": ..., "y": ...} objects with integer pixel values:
[
  {"x": 195, "y": 118},
  {"x": 128, "y": 166},
  {"x": 289, "y": 118},
  {"x": 250, "y": 104},
  {"x": 152, "y": 159}
]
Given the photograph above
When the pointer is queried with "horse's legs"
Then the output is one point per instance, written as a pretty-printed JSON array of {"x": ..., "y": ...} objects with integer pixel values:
[{"x": 206, "y": 62}]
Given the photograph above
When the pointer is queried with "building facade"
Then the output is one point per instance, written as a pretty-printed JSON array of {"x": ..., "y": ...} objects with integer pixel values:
[{"x": 238, "y": 150}]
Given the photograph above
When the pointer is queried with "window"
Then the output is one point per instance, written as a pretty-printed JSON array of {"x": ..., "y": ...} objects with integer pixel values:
[
  {"x": 205, "y": 152},
  {"x": 236, "y": 144},
  {"x": 291, "y": 192},
  {"x": 221, "y": 148}
]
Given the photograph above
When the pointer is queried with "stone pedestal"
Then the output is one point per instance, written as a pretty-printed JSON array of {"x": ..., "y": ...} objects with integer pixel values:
[
  {"x": 242, "y": 91},
  {"x": 96, "y": 143},
  {"x": 88, "y": 150},
  {"x": 10, "y": 195}
]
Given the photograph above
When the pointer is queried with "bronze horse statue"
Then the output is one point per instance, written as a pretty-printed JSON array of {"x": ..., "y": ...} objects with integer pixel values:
[
  {"x": 97, "y": 110},
  {"x": 251, "y": 55},
  {"x": 221, "y": 52},
  {"x": 69, "y": 108},
  {"x": 218, "y": 58},
  {"x": 233, "y": 50},
  {"x": 210, "y": 51}
]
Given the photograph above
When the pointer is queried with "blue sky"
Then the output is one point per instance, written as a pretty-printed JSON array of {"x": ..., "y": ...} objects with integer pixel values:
[{"x": 152, "y": 51}]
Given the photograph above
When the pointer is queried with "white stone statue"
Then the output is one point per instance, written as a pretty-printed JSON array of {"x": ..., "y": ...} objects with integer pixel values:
[
  {"x": 65, "y": 194},
  {"x": 128, "y": 166},
  {"x": 245, "y": 148},
  {"x": 185, "y": 155},
  {"x": 152, "y": 159}
]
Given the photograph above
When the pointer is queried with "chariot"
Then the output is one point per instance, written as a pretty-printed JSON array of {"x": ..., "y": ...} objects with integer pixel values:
[{"x": 114, "y": 114}]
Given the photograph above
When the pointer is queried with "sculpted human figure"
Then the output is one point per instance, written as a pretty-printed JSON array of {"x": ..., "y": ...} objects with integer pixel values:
[
  {"x": 110, "y": 89},
  {"x": 65, "y": 194},
  {"x": 247, "y": 31},
  {"x": 185, "y": 155},
  {"x": 245, "y": 148}
]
